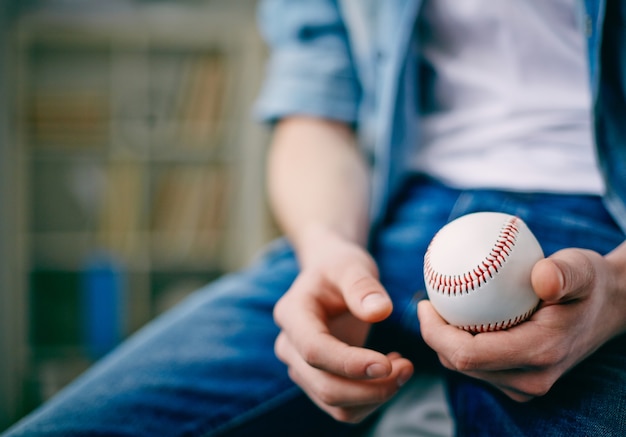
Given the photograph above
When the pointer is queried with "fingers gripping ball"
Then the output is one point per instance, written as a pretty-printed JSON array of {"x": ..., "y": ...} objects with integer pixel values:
[{"x": 477, "y": 271}]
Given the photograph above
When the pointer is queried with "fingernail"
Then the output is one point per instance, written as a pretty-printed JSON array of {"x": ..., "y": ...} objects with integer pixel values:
[
  {"x": 393, "y": 355},
  {"x": 376, "y": 370},
  {"x": 403, "y": 377},
  {"x": 373, "y": 301}
]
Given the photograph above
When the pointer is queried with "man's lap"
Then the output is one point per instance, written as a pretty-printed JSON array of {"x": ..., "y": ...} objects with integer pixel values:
[{"x": 208, "y": 366}]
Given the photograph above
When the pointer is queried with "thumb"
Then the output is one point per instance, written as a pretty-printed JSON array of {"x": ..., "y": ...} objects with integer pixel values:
[
  {"x": 364, "y": 294},
  {"x": 566, "y": 275}
]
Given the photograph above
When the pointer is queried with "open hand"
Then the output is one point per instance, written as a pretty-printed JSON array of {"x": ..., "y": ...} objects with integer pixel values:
[{"x": 324, "y": 319}]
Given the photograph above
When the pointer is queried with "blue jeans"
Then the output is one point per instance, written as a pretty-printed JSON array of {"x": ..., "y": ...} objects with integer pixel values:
[{"x": 207, "y": 367}]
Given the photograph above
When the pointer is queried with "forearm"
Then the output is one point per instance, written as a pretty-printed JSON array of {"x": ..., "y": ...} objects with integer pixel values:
[{"x": 317, "y": 182}]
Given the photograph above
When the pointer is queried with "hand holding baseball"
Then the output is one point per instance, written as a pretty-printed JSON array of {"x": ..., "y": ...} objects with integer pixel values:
[
  {"x": 583, "y": 306},
  {"x": 477, "y": 271}
]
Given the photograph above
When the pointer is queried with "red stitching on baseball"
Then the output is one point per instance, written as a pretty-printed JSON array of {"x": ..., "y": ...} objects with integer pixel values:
[
  {"x": 505, "y": 324},
  {"x": 478, "y": 276}
]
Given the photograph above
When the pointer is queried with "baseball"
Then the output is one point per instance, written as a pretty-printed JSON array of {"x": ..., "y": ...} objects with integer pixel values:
[{"x": 477, "y": 271}]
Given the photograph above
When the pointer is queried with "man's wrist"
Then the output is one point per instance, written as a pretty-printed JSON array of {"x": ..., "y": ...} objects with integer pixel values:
[{"x": 317, "y": 236}]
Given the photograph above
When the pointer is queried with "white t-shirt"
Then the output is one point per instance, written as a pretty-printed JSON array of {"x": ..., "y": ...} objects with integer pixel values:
[{"x": 506, "y": 96}]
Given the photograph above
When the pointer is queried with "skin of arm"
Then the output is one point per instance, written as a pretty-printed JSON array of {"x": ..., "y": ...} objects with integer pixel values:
[
  {"x": 583, "y": 306},
  {"x": 316, "y": 178},
  {"x": 318, "y": 188}
]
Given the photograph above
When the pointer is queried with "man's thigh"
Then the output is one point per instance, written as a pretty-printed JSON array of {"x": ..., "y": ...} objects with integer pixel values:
[{"x": 207, "y": 367}]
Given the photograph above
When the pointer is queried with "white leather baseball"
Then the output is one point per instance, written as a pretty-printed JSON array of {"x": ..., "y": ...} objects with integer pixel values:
[{"x": 477, "y": 271}]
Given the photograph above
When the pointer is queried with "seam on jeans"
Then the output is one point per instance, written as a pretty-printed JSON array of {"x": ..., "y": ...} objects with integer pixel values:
[
  {"x": 255, "y": 411},
  {"x": 461, "y": 205}
]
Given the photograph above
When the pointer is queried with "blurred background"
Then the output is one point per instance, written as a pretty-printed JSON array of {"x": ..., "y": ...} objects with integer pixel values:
[{"x": 130, "y": 173}]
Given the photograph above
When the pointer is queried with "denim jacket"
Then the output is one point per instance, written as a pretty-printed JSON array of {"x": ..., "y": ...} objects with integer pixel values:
[{"x": 356, "y": 61}]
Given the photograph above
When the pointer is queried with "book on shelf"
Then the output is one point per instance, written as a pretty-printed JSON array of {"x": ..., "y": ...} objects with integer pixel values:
[
  {"x": 168, "y": 71},
  {"x": 68, "y": 118},
  {"x": 200, "y": 107},
  {"x": 103, "y": 296},
  {"x": 188, "y": 218},
  {"x": 215, "y": 212},
  {"x": 186, "y": 105},
  {"x": 212, "y": 222},
  {"x": 120, "y": 218}
]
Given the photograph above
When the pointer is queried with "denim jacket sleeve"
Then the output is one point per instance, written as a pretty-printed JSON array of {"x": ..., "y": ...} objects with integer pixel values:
[{"x": 310, "y": 69}]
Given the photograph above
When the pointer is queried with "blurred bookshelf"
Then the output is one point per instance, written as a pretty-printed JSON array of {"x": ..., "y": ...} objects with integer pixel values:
[{"x": 141, "y": 169}]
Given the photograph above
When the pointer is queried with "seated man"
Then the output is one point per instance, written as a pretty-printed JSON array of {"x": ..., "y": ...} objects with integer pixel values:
[{"x": 392, "y": 118}]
